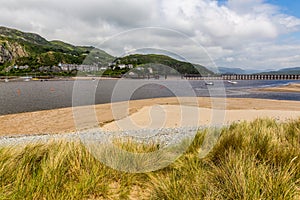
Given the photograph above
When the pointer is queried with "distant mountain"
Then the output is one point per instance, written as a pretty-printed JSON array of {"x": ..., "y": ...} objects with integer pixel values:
[
  {"x": 294, "y": 70},
  {"x": 226, "y": 70},
  {"x": 19, "y": 48},
  {"x": 179, "y": 66}
]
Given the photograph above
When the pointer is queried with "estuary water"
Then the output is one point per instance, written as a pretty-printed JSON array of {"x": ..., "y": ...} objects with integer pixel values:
[{"x": 18, "y": 97}]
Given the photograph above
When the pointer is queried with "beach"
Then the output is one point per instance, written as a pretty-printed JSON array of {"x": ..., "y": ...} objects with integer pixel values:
[{"x": 149, "y": 113}]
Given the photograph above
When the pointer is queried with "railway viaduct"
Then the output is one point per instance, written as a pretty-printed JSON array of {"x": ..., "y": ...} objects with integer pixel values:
[{"x": 244, "y": 77}]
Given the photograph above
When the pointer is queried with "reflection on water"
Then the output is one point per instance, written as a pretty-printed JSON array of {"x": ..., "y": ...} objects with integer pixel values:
[{"x": 16, "y": 97}]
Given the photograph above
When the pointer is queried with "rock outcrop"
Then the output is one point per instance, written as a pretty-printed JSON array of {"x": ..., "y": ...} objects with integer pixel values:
[{"x": 10, "y": 51}]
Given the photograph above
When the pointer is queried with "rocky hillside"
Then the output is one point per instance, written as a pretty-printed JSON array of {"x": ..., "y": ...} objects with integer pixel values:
[
  {"x": 10, "y": 51},
  {"x": 19, "y": 48}
]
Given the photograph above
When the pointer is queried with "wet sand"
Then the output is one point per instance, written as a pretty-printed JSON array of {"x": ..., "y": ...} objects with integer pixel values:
[
  {"x": 294, "y": 87},
  {"x": 151, "y": 113}
]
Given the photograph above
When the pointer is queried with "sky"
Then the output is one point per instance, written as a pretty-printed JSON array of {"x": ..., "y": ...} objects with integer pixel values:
[{"x": 247, "y": 34}]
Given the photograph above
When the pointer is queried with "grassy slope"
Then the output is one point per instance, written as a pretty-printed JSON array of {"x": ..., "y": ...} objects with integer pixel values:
[
  {"x": 179, "y": 66},
  {"x": 258, "y": 160}
]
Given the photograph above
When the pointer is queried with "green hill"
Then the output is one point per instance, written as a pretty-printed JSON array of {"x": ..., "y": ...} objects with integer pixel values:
[
  {"x": 19, "y": 48},
  {"x": 179, "y": 66}
]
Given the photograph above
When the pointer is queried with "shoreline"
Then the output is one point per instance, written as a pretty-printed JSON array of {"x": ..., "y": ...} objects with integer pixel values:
[
  {"x": 62, "y": 78},
  {"x": 292, "y": 87},
  {"x": 61, "y": 121}
]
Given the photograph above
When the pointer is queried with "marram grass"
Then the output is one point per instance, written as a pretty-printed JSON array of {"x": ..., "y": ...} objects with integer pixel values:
[{"x": 258, "y": 160}]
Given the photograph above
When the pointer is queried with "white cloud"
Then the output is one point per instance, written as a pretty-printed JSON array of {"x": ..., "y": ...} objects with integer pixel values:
[
  {"x": 243, "y": 33},
  {"x": 230, "y": 59}
]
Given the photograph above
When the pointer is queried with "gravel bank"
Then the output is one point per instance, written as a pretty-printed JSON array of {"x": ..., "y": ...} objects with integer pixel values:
[{"x": 166, "y": 136}]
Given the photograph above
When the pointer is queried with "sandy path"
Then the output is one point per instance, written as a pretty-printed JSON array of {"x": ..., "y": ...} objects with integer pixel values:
[{"x": 62, "y": 120}]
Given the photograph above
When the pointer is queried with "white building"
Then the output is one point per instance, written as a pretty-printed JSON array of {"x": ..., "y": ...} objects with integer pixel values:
[{"x": 122, "y": 66}]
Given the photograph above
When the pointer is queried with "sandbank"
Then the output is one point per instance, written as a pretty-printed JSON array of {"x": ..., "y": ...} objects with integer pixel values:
[{"x": 149, "y": 113}]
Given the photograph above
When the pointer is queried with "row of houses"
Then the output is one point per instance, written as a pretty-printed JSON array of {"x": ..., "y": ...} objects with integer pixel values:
[
  {"x": 92, "y": 68},
  {"x": 75, "y": 67},
  {"x": 16, "y": 67},
  {"x": 60, "y": 68},
  {"x": 83, "y": 68}
]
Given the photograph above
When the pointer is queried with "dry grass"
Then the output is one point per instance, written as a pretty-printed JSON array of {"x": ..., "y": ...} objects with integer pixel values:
[{"x": 258, "y": 160}]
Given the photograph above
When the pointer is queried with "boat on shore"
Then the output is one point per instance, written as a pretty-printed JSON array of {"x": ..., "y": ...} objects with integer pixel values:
[{"x": 27, "y": 78}]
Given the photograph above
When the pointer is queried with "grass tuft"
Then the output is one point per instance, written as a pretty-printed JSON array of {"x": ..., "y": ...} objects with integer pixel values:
[{"x": 257, "y": 160}]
